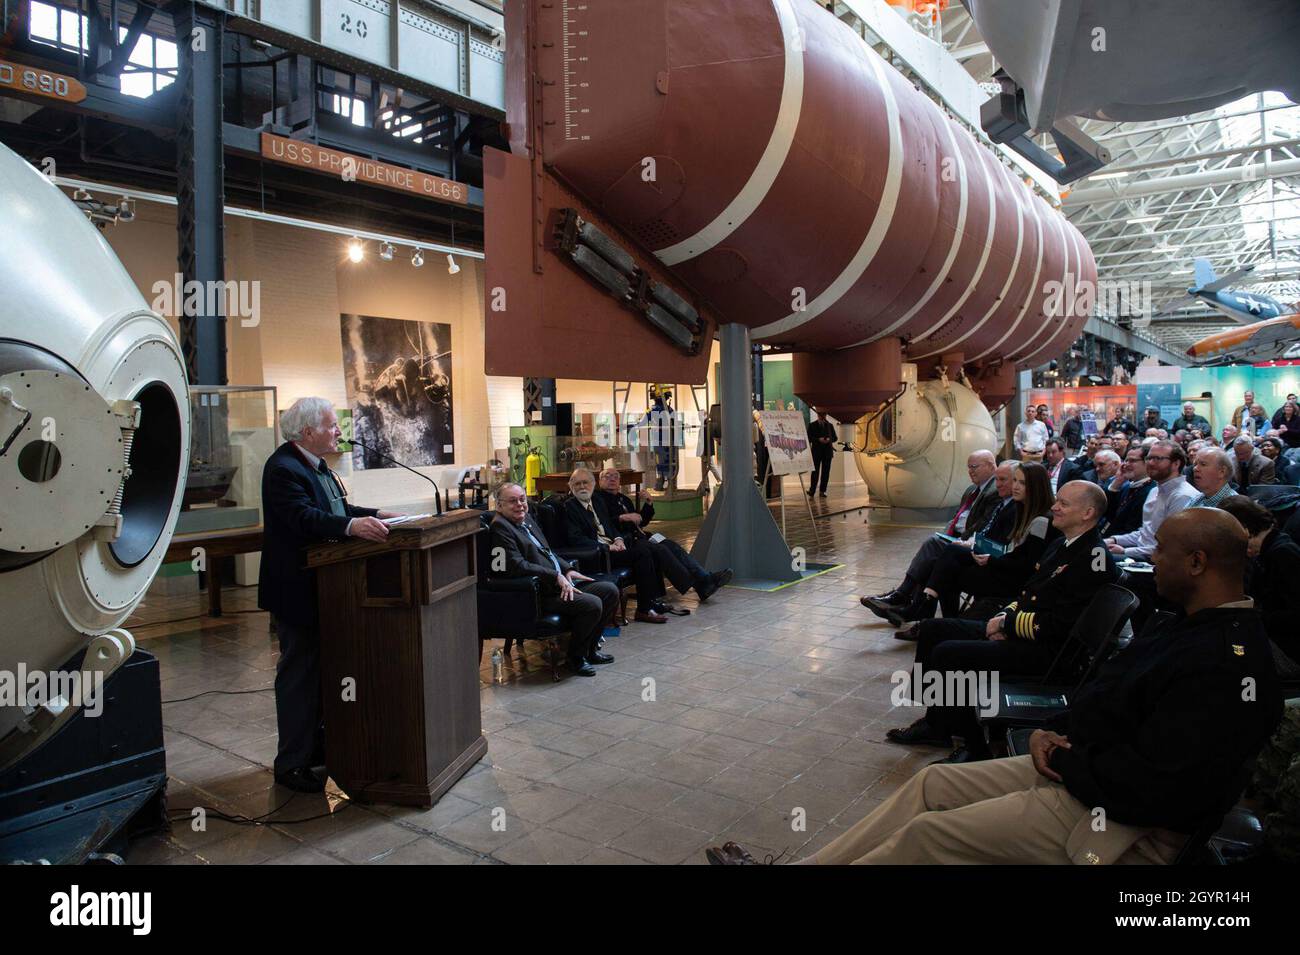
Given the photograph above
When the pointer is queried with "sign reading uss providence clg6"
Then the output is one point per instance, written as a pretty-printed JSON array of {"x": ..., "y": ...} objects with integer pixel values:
[{"x": 293, "y": 152}]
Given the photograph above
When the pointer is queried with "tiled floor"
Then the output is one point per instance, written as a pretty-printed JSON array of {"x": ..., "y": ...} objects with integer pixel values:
[{"x": 766, "y": 726}]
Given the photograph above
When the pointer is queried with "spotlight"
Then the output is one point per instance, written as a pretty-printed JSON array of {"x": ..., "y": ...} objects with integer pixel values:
[
  {"x": 356, "y": 251},
  {"x": 452, "y": 267},
  {"x": 386, "y": 251},
  {"x": 417, "y": 258}
]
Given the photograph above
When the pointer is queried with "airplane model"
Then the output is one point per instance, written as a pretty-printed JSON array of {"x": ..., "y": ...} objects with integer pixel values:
[{"x": 1277, "y": 335}]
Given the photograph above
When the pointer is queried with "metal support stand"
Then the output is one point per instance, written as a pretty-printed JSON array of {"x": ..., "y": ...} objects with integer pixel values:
[
  {"x": 200, "y": 186},
  {"x": 739, "y": 531},
  {"x": 807, "y": 499}
]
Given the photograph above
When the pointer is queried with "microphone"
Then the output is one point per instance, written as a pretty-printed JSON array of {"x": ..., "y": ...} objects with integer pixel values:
[{"x": 437, "y": 494}]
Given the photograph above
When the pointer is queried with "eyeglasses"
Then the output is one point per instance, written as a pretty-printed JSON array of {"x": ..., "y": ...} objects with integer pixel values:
[{"x": 1159, "y": 457}]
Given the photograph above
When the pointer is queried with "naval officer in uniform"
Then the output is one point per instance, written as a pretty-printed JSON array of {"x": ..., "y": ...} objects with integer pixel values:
[{"x": 1154, "y": 744}]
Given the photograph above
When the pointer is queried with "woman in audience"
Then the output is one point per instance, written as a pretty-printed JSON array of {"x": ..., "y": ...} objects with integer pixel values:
[
  {"x": 1288, "y": 426},
  {"x": 986, "y": 575},
  {"x": 1272, "y": 579},
  {"x": 1255, "y": 423}
]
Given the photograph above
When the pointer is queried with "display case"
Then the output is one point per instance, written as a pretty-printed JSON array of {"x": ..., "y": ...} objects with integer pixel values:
[{"x": 234, "y": 430}]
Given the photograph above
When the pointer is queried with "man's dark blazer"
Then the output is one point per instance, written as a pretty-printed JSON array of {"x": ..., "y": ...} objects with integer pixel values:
[
  {"x": 980, "y": 510},
  {"x": 295, "y": 515},
  {"x": 616, "y": 504},
  {"x": 1259, "y": 470},
  {"x": 578, "y": 525},
  {"x": 523, "y": 557},
  {"x": 1272, "y": 581},
  {"x": 1075, "y": 469},
  {"x": 1125, "y": 511}
]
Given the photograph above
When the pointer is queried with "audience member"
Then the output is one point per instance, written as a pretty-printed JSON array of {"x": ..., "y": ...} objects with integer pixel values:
[
  {"x": 1286, "y": 425},
  {"x": 1243, "y": 409},
  {"x": 672, "y": 560},
  {"x": 1191, "y": 421},
  {"x": 1061, "y": 469},
  {"x": 1277, "y": 415},
  {"x": 980, "y": 508},
  {"x": 1030, "y": 436},
  {"x": 1271, "y": 448},
  {"x": 1256, "y": 423},
  {"x": 586, "y": 519},
  {"x": 1228, "y": 436},
  {"x": 959, "y": 569},
  {"x": 1046, "y": 419},
  {"x": 1252, "y": 467},
  {"x": 1271, "y": 579},
  {"x": 1152, "y": 419},
  {"x": 1156, "y": 740},
  {"x": 1025, "y": 637},
  {"x": 1120, "y": 443},
  {"x": 1165, "y": 462},
  {"x": 1120, "y": 423},
  {"x": 1106, "y": 465},
  {"x": 585, "y": 602},
  {"x": 1212, "y": 477},
  {"x": 1072, "y": 429},
  {"x": 1126, "y": 503}
]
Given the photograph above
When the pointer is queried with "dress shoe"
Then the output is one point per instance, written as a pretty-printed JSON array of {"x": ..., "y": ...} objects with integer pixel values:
[
  {"x": 715, "y": 583},
  {"x": 582, "y": 668},
  {"x": 888, "y": 597},
  {"x": 811, "y": 492},
  {"x": 961, "y": 755},
  {"x": 909, "y": 632},
  {"x": 823, "y": 494},
  {"x": 599, "y": 658},
  {"x": 921, "y": 608},
  {"x": 660, "y": 606},
  {"x": 301, "y": 780},
  {"x": 919, "y": 733},
  {"x": 649, "y": 616},
  {"x": 731, "y": 854},
  {"x": 881, "y": 608}
]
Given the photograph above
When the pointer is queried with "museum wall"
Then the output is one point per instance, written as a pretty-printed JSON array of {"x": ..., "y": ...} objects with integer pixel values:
[{"x": 306, "y": 283}]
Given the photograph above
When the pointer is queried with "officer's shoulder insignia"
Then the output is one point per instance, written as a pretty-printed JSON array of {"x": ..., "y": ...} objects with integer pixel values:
[{"x": 1238, "y": 649}]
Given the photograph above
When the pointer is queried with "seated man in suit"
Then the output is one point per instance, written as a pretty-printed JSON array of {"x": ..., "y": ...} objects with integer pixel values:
[
  {"x": 1025, "y": 637},
  {"x": 1156, "y": 740},
  {"x": 585, "y": 602},
  {"x": 1061, "y": 469},
  {"x": 303, "y": 504},
  {"x": 1124, "y": 513},
  {"x": 1252, "y": 466},
  {"x": 587, "y": 520},
  {"x": 990, "y": 486},
  {"x": 671, "y": 558}
]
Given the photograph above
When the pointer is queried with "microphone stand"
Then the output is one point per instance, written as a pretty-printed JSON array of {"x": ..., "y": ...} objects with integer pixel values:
[{"x": 437, "y": 494}]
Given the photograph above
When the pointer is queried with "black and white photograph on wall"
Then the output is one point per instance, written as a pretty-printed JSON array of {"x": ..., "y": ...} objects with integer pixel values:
[{"x": 398, "y": 376}]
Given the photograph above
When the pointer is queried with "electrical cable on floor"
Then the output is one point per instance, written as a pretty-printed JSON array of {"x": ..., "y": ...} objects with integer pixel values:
[{"x": 186, "y": 699}]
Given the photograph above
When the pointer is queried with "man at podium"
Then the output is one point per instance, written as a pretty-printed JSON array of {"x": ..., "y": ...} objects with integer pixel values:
[{"x": 303, "y": 503}]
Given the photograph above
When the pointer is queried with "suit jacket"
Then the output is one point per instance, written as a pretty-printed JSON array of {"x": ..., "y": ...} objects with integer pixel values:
[
  {"x": 616, "y": 504},
  {"x": 579, "y": 525},
  {"x": 295, "y": 515},
  {"x": 1125, "y": 511},
  {"x": 1075, "y": 469},
  {"x": 1063, "y": 583},
  {"x": 523, "y": 557},
  {"x": 981, "y": 508},
  {"x": 818, "y": 429},
  {"x": 1194, "y": 423},
  {"x": 1258, "y": 470}
]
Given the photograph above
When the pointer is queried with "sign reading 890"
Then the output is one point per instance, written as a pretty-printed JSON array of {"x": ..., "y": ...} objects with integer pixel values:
[{"x": 40, "y": 82}]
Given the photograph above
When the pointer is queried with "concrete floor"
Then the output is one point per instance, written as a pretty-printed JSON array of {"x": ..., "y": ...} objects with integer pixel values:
[{"x": 767, "y": 727}]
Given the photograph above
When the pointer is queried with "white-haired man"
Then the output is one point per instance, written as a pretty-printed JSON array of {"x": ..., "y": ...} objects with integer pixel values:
[
  {"x": 1213, "y": 473},
  {"x": 303, "y": 503}
]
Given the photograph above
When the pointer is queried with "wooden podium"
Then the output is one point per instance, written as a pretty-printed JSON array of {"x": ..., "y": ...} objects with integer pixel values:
[{"x": 400, "y": 659}]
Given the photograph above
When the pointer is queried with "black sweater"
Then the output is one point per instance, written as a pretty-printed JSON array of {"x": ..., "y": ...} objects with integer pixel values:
[{"x": 1160, "y": 735}]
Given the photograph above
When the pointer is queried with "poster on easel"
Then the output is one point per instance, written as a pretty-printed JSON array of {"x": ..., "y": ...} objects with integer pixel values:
[{"x": 786, "y": 435}]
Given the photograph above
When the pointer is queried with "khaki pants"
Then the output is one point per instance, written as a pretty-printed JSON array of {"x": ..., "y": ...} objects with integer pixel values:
[
  {"x": 993, "y": 811},
  {"x": 1031, "y": 456}
]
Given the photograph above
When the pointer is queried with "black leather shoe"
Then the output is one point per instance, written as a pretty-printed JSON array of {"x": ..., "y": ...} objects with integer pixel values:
[
  {"x": 732, "y": 854},
  {"x": 919, "y": 733},
  {"x": 301, "y": 780},
  {"x": 920, "y": 609},
  {"x": 715, "y": 583},
  {"x": 961, "y": 755},
  {"x": 881, "y": 608},
  {"x": 582, "y": 668},
  {"x": 599, "y": 658},
  {"x": 910, "y": 632}
]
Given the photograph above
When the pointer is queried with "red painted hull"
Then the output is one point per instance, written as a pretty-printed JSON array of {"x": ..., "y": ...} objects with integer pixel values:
[{"x": 801, "y": 186}]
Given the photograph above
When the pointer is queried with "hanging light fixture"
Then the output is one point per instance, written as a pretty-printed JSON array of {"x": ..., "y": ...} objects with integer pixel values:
[
  {"x": 417, "y": 258},
  {"x": 386, "y": 251},
  {"x": 452, "y": 267},
  {"x": 356, "y": 251}
]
